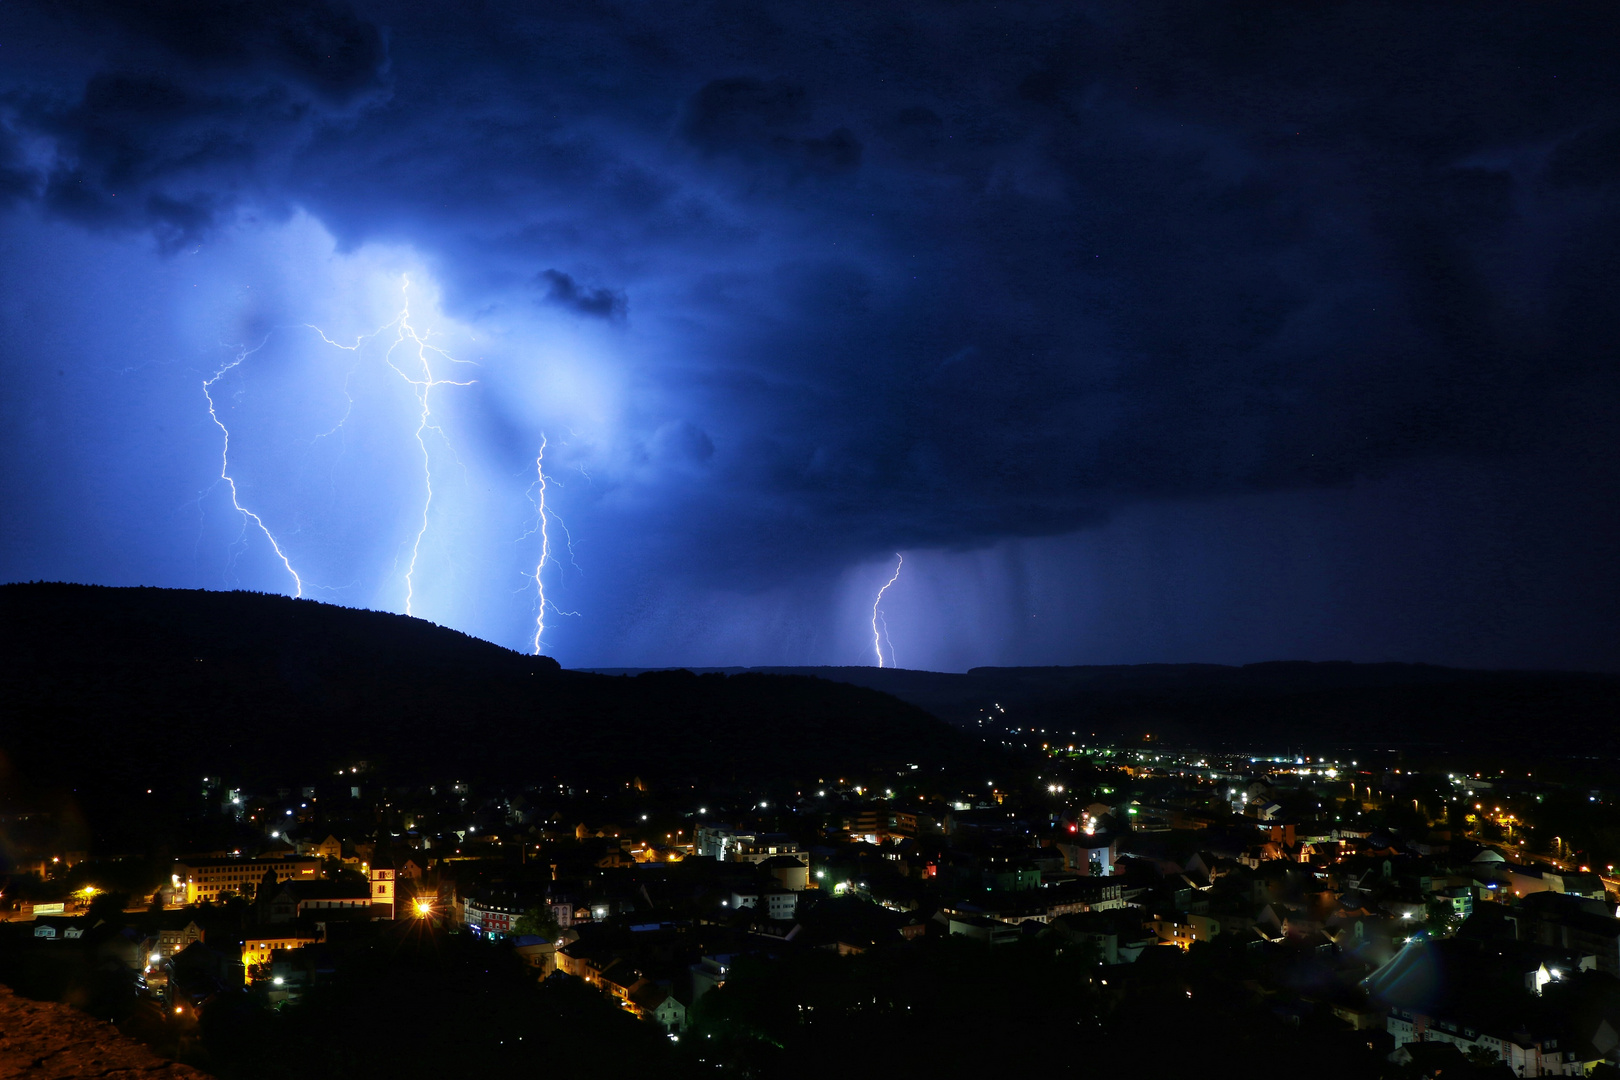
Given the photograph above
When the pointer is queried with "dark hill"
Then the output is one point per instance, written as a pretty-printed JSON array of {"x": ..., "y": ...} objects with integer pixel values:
[
  {"x": 132, "y": 688},
  {"x": 1275, "y": 706}
]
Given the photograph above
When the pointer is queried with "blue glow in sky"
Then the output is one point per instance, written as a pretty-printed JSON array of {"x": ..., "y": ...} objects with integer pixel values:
[{"x": 1144, "y": 332}]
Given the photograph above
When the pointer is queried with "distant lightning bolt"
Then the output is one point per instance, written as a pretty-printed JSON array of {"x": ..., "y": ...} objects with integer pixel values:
[
  {"x": 881, "y": 636},
  {"x": 225, "y": 464}
]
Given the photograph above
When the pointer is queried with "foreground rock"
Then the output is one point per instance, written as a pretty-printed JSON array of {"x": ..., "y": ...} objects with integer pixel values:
[{"x": 44, "y": 1040}]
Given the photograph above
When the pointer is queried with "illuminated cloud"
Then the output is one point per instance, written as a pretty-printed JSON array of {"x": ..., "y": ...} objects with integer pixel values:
[{"x": 789, "y": 289}]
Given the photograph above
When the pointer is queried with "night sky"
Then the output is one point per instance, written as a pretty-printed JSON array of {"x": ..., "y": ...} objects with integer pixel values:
[{"x": 1144, "y": 331}]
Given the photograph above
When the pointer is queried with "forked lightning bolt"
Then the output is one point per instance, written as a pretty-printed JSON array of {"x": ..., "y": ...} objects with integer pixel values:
[
  {"x": 422, "y": 381},
  {"x": 879, "y": 637},
  {"x": 422, "y": 387},
  {"x": 225, "y": 464}
]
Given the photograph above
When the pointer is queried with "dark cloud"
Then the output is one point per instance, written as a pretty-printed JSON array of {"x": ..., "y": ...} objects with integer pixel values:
[
  {"x": 326, "y": 50},
  {"x": 17, "y": 181},
  {"x": 758, "y": 118},
  {"x": 741, "y": 114},
  {"x": 189, "y": 111},
  {"x": 922, "y": 274},
  {"x": 599, "y": 303}
]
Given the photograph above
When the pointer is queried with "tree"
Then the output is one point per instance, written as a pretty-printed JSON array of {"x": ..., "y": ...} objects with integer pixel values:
[
  {"x": 108, "y": 907},
  {"x": 1443, "y": 919},
  {"x": 536, "y": 922}
]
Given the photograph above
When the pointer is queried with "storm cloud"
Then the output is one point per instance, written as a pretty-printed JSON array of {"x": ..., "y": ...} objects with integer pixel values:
[{"x": 912, "y": 275}]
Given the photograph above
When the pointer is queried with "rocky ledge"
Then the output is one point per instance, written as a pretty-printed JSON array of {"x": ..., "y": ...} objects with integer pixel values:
[{"x": 41, "y": 1040}]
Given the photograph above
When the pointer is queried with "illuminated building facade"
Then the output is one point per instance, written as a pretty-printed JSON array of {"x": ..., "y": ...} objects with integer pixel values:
[{"x": 209, "y": 879}]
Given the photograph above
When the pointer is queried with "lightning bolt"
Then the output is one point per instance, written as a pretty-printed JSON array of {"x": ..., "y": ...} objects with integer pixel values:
[
  {"x": 545, "y": 544},
  {"x": 543, "y": 516},
  {"x": 225, "y": 463},
  {"x": 422, "y": 380},
  {"x": 422, "y": 387},
  {"x": 881, "y": 636}
]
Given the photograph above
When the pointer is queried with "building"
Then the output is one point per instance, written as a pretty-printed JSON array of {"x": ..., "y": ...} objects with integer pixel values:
[
  {"x": 659, "y": 1004},
  {"x": 981, "y": 928},
  {"x": 264, "y": 941},
  {"x": 210, "y": 879},
  {"x": 330, "y": 848},
  {"x": 383, "y": 880},
  {"x": 778, "y": 904},
  {"x": 729, "y": 845},
  {"x": 297, "y": 898},
  {"x": 171, "y": 941},
  {"x": 790, "y": 871},
  {"x": 488, "y": 918}
]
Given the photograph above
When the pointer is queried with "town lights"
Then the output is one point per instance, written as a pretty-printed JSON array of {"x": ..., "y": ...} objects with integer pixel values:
[{"x": 424, "y": 907}]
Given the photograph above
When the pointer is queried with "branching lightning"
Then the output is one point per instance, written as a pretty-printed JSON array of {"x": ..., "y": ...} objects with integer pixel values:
[
  {"x": 880, "y": 636},
  {"x": 422, "y": 387},
  {"x": 225, "y": 464},
  {"x": 421, "y": 378}
]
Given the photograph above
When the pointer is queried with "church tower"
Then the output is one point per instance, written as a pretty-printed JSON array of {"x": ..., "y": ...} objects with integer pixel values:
[{"x": 382, "y": 891}]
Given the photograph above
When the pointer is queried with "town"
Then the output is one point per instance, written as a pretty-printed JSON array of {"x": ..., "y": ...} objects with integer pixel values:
[{"x": 1408, "y": 915}]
